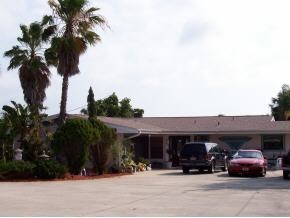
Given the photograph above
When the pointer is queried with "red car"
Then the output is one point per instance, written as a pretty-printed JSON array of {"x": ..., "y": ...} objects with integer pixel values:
[{"x": 250, "y": 162}]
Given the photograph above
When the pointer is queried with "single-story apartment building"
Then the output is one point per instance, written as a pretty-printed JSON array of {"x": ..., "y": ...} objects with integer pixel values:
[{"x": 160, "y": 139}]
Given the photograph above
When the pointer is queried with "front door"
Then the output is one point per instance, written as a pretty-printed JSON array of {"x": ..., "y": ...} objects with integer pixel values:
[{"x": 175, "y": 145}]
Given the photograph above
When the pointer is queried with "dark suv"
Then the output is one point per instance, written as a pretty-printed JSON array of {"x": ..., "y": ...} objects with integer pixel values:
[{"x": 202, "y": 156}]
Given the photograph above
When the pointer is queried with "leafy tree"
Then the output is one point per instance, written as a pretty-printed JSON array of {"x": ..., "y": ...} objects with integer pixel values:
[
  {"x": 126, "y": 108},
  {"x": 72, "y": 141},
  {"x": 33, "y": 70},
  {"x": 92, "y": 109},
  {"x": 75, "y": 32},
  {"x": 101, "y": 108},
  {"x": 84, "y": 111},
  {"x": 100, "y": 148},
  {"x": 138, "y": 112},
  {"x": 112, "y": 107},
  {"x": 281, "y": 104}
]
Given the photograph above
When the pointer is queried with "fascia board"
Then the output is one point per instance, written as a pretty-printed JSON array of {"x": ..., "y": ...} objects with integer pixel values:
[
  {"x": 123, "y": 129},
  {"x": 211, "y": 132}
]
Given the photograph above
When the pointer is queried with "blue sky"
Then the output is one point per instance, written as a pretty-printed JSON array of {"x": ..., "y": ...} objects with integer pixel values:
[{"x": 170, "y": 57}]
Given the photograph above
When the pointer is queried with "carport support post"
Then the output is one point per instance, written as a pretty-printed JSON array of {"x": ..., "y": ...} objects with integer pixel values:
[{"x": 149, "y": 147}]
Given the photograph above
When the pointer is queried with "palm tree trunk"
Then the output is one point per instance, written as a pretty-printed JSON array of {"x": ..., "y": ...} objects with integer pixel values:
[{"x": 62, "y": 113}]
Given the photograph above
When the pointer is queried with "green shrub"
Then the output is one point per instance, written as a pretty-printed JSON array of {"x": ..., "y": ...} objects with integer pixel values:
[
  {"x": 72, "y": 141},
  {"x": 100, "y": 148},
  {"x": 144, "y": 161},
  {"x": 16, "y": 170},
  {"x": 49, "y": 169}
]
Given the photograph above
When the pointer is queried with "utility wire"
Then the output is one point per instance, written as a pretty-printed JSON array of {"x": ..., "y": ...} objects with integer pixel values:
[{"x": 77, "y": 108}]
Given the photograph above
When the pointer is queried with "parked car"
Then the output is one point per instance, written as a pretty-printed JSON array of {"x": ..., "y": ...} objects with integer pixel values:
[
  {"x": 250, "y": 162},
  {"x": 286, "y": 165},
  {"x": 202, "y": 156}
]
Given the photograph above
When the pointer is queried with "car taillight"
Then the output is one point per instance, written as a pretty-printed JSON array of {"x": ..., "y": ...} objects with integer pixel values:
[{"x": 205, "y": 157}]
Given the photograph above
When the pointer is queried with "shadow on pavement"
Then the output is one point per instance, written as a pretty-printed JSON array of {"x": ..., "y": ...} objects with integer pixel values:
[
  {"x": 221, "y": 180},
  {"x": 248, "y": 183},
  {"x": 178, "y": 172}
]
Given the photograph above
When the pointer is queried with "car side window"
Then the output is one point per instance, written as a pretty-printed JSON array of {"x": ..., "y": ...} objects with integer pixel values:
[
  {"x": 214, "y": 149},
  {"x": 221, "y": 150}
]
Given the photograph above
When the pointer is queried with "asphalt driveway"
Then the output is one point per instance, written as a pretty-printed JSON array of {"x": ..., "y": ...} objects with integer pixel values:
[{"x": 150, "y": 193}]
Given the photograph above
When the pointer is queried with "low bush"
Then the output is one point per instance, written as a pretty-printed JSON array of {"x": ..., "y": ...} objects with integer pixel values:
[
  {"x": 49, "y": 169},
  {"x": 16, "y": 170}
]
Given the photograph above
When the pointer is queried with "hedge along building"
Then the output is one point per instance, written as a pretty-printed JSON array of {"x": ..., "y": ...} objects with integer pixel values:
[{"x": 161, "y": 138}]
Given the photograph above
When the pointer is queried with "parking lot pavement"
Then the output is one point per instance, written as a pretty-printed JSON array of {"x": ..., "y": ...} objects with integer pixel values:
[{"x": 150, "y": 193}]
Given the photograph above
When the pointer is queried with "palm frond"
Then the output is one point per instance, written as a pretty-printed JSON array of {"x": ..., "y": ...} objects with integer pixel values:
[
  {"x": 9, "y": 110},
  {"x": 98, "y": 20},
  {"x": 16, "y": 51},
  {"x": 35, "y": 31},
  {"x": 51, "y": 57},
  {"x": 17, "y": 61},
  {"x": 91, "y": 10},
  {"x": 47, "y": 19},
  {"x": 48, "y": 32},
  {"x": 25, "y": 34},
  {"x": 91, "y": 37}
]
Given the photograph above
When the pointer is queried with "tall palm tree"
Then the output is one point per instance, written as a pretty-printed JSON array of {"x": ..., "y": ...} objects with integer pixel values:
[
  {"x": 76, "y": 22},
  {"x": 281, "y": 105},
  {"x": 28, "y": 57}
]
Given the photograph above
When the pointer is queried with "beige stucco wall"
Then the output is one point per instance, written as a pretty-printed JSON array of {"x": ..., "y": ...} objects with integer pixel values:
[{"x": 254, "y": 143}]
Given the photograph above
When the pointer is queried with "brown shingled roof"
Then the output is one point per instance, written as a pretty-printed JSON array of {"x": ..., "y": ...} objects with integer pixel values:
[
  {"x": 259, "y": 123},
  {"x": 208, "y": 124}
]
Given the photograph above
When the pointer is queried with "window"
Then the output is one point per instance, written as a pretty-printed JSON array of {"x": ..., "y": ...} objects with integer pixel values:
[
  {"x": 273, "y": 142},
  {"x": 235, "y": 142}
]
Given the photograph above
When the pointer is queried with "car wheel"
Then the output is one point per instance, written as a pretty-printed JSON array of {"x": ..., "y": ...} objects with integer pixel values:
[
  {"x": 185, "y": 170},
  {"x": 285, "y": 174},
  {"x": 225, "y": 167},
  {"x": 231, "y": 174},
  {"x": 263, "y": 173},
  {"x": 211, "y": 168},
  {"x": 200, "y": 170}
]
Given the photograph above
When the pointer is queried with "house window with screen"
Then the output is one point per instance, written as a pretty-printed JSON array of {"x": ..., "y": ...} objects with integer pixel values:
[{"x": 273, "y": 142}]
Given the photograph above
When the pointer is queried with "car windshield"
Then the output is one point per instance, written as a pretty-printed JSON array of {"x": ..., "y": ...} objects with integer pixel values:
[{"x": 248, "y": 154}]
